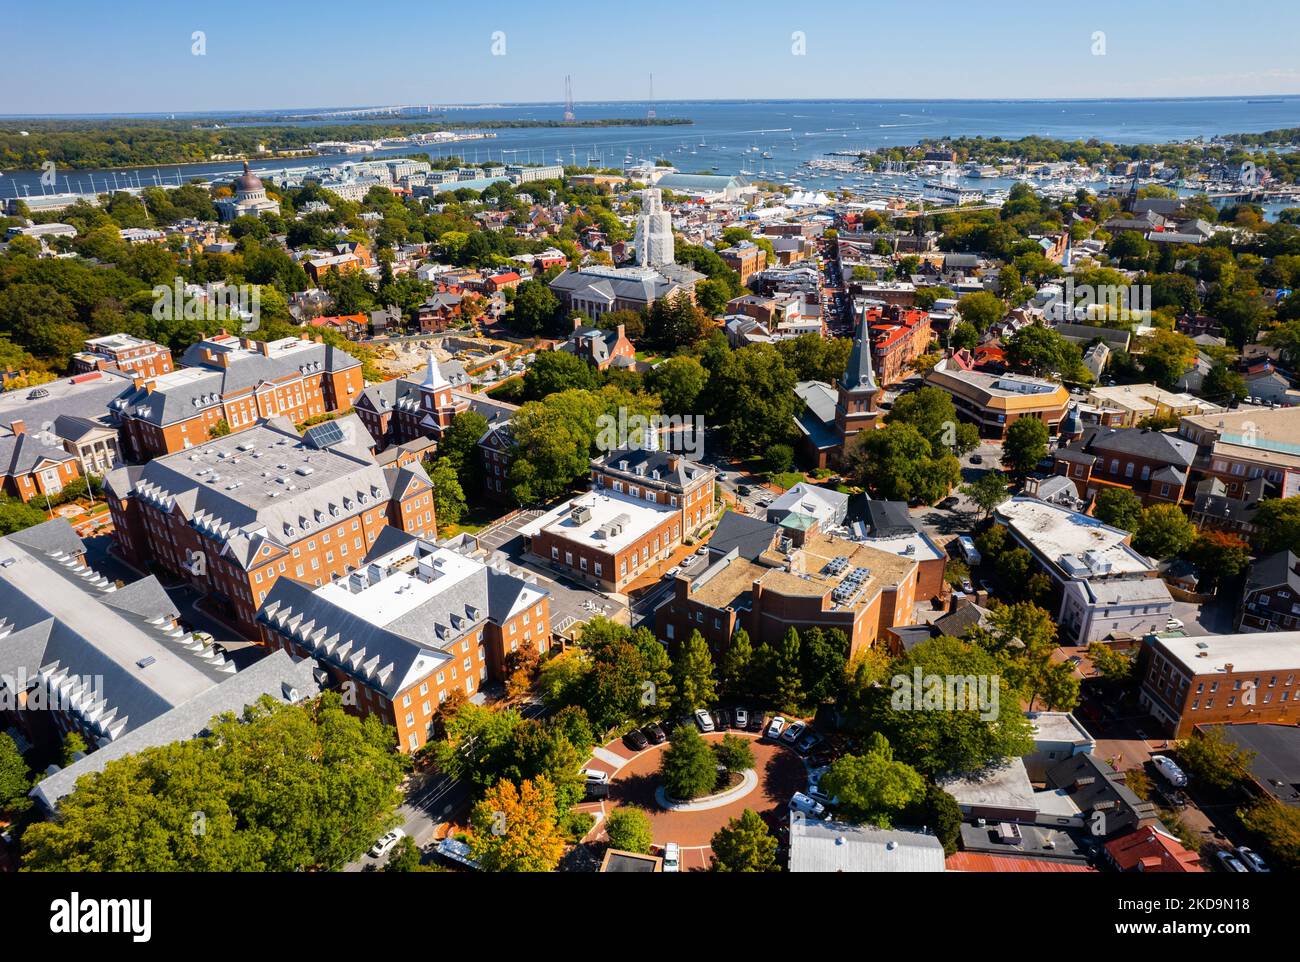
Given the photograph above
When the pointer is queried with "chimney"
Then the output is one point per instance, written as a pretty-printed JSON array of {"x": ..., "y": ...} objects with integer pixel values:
[
  {"x": 149, "y": 385},
  {"x": 17, "y": 427},
  {"x": 264, "y": 347},
  {"x": 1228, "y": 668},
  {"x": 621, "y": 335},
  {"x": 576, "y": 323},
  {"x": 302, "y": 336},
  {"x": 137, "y": 382}
]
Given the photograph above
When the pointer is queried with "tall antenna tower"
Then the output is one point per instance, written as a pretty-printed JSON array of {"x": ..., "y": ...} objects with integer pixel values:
[
  {"x": 569, "y": 115},
  {"x": 650, "y": 114}
]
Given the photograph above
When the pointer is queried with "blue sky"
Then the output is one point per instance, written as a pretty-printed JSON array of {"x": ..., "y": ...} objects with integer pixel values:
[{"x": 109, "y": 56}]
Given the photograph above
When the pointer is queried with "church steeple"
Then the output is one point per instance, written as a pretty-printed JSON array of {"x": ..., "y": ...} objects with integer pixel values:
[
  {"x": 859, "y": 375},
  {"x": 433, "y": 378}
]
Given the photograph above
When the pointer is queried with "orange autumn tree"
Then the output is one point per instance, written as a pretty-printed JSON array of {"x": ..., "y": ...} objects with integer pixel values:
[{"x": 516, "y": 828}]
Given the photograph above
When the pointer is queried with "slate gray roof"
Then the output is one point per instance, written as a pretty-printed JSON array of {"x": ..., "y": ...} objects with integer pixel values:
[
  {"x": 888, "y": 519},
  {"x": 84, "y": 396},
  {"x": 277, "y": 676},
  {"x": 1274, "y": 571},
  {"x": 62, "y": 627},
  {"x": 262, "y": 485},
  {"x": 679, "y": 478},
  {"x": 22, "y": 453},
  {"x": 1092, "y": 785},
  {"x": 611, "y": 284},
  {"x": 391, "y": 652},
  {"x": 199, "y": 384},
  {"x": 750, "y": 535},
  {"x": 1139, "y": 442}
]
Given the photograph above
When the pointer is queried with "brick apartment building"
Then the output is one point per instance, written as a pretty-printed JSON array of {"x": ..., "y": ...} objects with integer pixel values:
[
  {"x": 237, "y": 381},
  {"x": 1241, "y": 446},
  {"x": 235, "y": 514},
  {"x": 1271, "y": 601},
  {"x": 746, "y": 259},
  {"x": 899, "y": 335},
  {"x": 124, "y": 353},
  {"x": 413, "y": 623},
  {"x": 1240, "y": 679},
  {"x": 1154, "y": 465},
  {"x": 641, "y": 506},
  {"x": 600, "y": 348}
]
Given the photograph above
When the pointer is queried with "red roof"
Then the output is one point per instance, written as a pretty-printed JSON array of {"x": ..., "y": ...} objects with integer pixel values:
[
  {"x": 982, "y": 862},
  {"x": 1147, "y": 850}
]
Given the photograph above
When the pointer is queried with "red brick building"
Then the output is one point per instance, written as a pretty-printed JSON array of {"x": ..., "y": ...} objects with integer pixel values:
[
  {"x": 235, "y": 514},
  {"x": 412, "y": 624},
  {"x": 235, "y": 382}
]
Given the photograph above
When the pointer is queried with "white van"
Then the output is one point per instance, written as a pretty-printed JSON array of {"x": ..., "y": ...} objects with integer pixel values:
[
  {"x": 672, "y": 857},
  {"x": 969, "y": 554}
]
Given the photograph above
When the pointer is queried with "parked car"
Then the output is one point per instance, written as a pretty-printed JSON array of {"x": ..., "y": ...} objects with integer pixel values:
[
  {"x": 386, "y": 843},
  {"x": 743, "y": 490},
  {"x": 674, "y": 571},
  {"x": 977, "y": 459},
  {"x": 1174, "y": 624},
  {"x": 742, "y": 718},
  {"x": 793, "y": 733},
  {"x": 756, "y": 721},
  {"x": 774, "y": 729},
  {"x": 672, "y": 857},
  {"x": 635, "y": 740},
  {"x": 654, "y": 733},
  {"x": 721, "y": 719},
  {"x": 1229, "y": 862},
  {"x": 1169, "y": 769},
  {"x": 969, "y": 553},
  {"x": 702, "y": 551},
  {"x": 807, "y": 805},
  {"x": 816, "y": 794},
  {"x": 949, "y": 503},
  {"x": 594, "y": 776},
  {"x": 703, "y": 719},
  {"x": 1251, "y": 859},
  {"x": 967, "y": 587},
  {"x": 808, "y": 743}
]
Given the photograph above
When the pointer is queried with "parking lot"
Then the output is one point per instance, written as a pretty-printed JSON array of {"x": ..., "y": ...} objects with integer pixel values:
[{"x": 634, "y": 780}]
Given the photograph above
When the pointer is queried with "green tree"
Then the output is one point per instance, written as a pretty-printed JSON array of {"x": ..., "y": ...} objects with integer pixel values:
[
  {"x": 556, "y": 371},
  {"x": 789, "y": 689},
  {"x": 1277, "y": 525},
  {"x": 16, "y": 515},
  {"x": 257, "y": 782},
  {"x": 1113, "y": 665},
  {"x": 736, "y": 663},
  {"x": 1119, "y": 508},
  {"x": 896, "y": 463},
  {"x": 73, "y": 745},
  {"x": 679, "y": 382},
  {"x": 628, "y": 828},
  {"x": 1025, "y": 446},
  {"x": 448, "y": 496},
  {"x": 937, "y": 741},
  {"x": 981, "y": 309},
  {"x": 1163, "y": 532},
  {"x": 1210, "y": 757},
  {"x": 459, "y": 445},
  {"x": 688, "y": 768},
  {"x": 1278, "y": 828},
  {"x": 987, "y": 491},
  {"x": 405, "y": 856},
  {"x": 734, "y": 753},
  {"x": 15, "y": 780},
  {"x": 1222, "y": 385},
  {"x": 693, "y": 675},
  {"x": 873, "y": 787},
  {"x": 744, "y": 844},
  {"x": 534, "y": 308}
]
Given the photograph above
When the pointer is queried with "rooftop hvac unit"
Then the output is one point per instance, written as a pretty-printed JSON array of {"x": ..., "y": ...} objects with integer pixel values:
[{"x": 581, "y": 514}]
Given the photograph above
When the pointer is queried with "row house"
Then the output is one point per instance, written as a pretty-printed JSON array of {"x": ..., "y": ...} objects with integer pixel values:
[
  {"x": 1152, "y": 464},
  {"x": 232, "y": 516},
  {"x": 414, "y": 623},
  {"x": 601, "y": 349},
  {"x": 228, "y": 382},
  {"x": 746, "y": 259},
  {"x": 1271, "y": 601}
]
